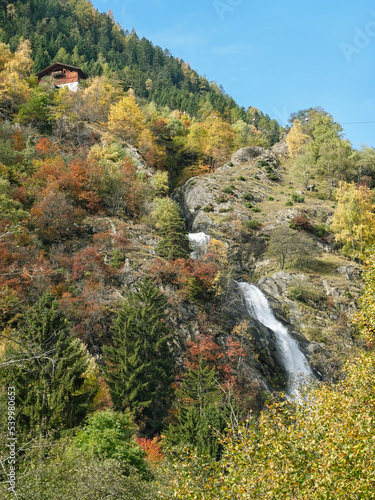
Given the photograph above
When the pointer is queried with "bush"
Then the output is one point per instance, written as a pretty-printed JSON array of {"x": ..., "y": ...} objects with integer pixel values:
[
  {"x": 221, "y": 199},
  {"x": 305, "y": 292},
  {"x": 298, "y": 198},
  {"x": 110, "y": 434},
  {"x": 229, "y": 189},
  {"x": 272, "y": 177},
  {"x": 251, "y": 224},
  {"x": 301, "y": 223},
  {"x": 248, "y": 205},
  {"x": 208, "y": 208},
  {"x": 255, "y": 209},
  {"x": 241, "y": 178},
  {"x": 270, "y": 198},
  {"x": 288, "y": 204},
  {"x": 248, "y": 196},
  {"x": 320, "y": 230}
]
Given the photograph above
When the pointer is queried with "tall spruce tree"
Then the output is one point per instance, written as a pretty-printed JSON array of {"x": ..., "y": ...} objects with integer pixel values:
[
  {"x": 166, "y": 216},
  {"x": 139, "y": 365},
  {"x": 46, "y": 366},
  {"x": 201, "y": 411}
]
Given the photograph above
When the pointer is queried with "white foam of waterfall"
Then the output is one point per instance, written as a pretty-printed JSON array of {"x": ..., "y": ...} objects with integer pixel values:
[
  {"x": 199, "y": 244},
  {"x": 294, "y": 361}
]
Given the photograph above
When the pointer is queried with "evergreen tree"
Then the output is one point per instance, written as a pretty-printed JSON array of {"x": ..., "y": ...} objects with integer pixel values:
[
  {"x": 201, "y": 412},
  {"x": 47, "y": 369},
  {"x": 174, "y": 243},
  {"x": 167, "y": 219},
  {"x": 139, "y": 365}
]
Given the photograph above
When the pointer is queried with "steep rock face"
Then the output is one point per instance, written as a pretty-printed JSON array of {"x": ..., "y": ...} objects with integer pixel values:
[
  {"x": 247, "y": 154},
  {"x": 241, "y": 204},
  {"x": 206, "y": 201}
]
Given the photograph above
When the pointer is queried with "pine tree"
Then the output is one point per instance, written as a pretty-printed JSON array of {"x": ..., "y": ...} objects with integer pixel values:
[
  {"x": 47, "y": 369},
  {"x": 139, "y": 365}
]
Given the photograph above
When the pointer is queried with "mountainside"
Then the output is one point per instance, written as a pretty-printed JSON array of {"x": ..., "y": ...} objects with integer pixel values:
[
  {"x": 73, "y": 32},
  {"x": 168, "y": 277}
]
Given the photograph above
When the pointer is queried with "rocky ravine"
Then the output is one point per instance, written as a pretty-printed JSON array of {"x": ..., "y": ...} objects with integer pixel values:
[{"x": 316, "y": 301}]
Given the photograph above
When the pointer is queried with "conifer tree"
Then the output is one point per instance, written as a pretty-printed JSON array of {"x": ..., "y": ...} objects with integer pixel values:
[
  {"x": 139, "y": 365},
  {"x": 167, "y": 219},
  {"x": 201, "y": 412},
  {"x": 47, "y": 369}
]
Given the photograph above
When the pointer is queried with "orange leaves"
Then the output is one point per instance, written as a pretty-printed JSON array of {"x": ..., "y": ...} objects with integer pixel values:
[
  {"x": 194, "y": 278},
  {"x": 154, "y": 455},
  {"x": 44, "y": 147},
  {"x": 89, "y": 263}
]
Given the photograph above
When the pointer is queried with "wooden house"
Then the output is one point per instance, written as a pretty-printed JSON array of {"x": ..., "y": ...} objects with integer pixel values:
[{"x": 63, "y": 75}]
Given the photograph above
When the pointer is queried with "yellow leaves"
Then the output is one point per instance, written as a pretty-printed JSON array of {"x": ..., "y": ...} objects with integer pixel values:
[
  {"x": 354, "y": 219},
  {"x": 21, "y": 62},
  {"x": 126, "y": 119},
  {"x": 97, "y": 98},
  {"x": 296, "y": 139},
  {"x": 365, "y": 319},
  {"x": 318, "y": 450},
  {"x": 14, "y": 90}
]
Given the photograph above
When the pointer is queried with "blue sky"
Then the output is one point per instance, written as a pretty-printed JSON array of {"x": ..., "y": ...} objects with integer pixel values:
[{"x": 277, "y": 56}]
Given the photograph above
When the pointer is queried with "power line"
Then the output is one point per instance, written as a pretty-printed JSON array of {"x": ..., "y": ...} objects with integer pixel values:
[{"x": 356, "y": 123}]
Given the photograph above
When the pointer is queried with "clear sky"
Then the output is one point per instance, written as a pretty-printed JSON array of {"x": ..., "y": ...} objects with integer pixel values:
[{"x": 279, "y": 56}]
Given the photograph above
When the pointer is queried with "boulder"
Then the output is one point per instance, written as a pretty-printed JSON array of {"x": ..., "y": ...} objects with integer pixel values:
[{"x": 247, "y": 154}]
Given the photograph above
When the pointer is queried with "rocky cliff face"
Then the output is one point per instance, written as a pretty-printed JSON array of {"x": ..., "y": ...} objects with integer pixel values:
[{"x": 242, "y": 204}]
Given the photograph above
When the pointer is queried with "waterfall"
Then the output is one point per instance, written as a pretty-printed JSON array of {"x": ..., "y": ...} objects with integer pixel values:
[
  {"x": 293, "y": 360},
  {"x": 199, "y": 244}
]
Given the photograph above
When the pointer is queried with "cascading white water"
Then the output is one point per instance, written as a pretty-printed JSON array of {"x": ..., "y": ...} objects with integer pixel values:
[
  {"x": 294, "y": 361},
  {"x": 199, "y": 243}
]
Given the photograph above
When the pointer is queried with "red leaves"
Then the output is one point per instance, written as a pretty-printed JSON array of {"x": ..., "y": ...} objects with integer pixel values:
[
  {"x": 153, "y": 451},
  {"x": 44, "y": 147},
  {"x": 301, "y": 222},
  {"x": 186, "y": 274},
  {"x": 88, "y": 262}
]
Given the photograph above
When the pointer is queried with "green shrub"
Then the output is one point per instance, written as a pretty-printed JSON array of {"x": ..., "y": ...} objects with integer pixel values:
[
  {"x": 248, "y": 196},
  {"x": 248, "y": 205},
  {"x": 251, "y": 224},
  {"x": 208, "y": 208},
  {"x": 229, "y": 189},
  {"x": 306, "y": 292},
  {"x": 320, "y": 230},
  {"x": 272, "y": 177},
  {"x": 241, "y": 178},
  {"x": 270, "y": 198},
  {"x": 110, "y": 434},
  {"x": 221, "y": 199},
  {"x": 255, "y": 209},
  {"x": 197, "y": 207},
  {"x": 321, "y": 196},
  {"x": 298, "y": 198},
  {"x": 288, "y": 204}
]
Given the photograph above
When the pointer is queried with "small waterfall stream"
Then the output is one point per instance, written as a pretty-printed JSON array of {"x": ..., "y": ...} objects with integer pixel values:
[
  {"x": 199, "y": 244},
  {"x": 293, "y": 360}
]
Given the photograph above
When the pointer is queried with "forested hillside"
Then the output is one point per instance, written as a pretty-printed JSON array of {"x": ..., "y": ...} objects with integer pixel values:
[
  {"x": 73, "y": 32},
  {"x": 130, "y": 366}
]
